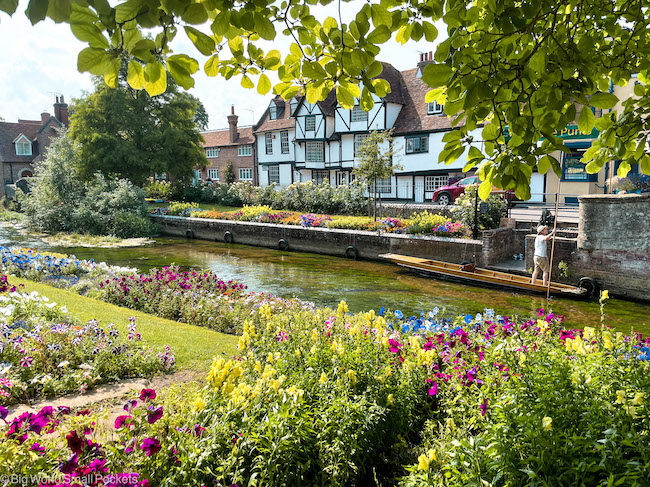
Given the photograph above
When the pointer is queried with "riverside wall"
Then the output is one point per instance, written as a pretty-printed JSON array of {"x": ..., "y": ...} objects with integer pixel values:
[{"x": 329, "y": 241}]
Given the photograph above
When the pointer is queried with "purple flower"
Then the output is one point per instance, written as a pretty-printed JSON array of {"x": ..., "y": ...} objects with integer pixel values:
[
  {"x": 98, "y": 466},
  {"x": 37, "y": 448},
  {"x": 282, "y": 336},
  {"x": 147, "y": 394},
  {"x": 70, "y": 465},
  {"x": 198, "y": 430},
  {"x": 150, "y": 446},
  {"x": 130, "y": 404},
  {"x": 26, "y": 361},
  {"x": 3, "y": 413},
  {"x": 483, "y": 407},
  {"x": 75, "y": 442},
  {"x": 41, "y": 419},
  {"x": 120, "y": 421},
  {"x": 434, "y": 389},
  {"x": 155, "y": 415}
]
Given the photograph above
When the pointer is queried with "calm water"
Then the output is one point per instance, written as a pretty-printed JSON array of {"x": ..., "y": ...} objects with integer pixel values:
[{"x": 326, "y": 280}]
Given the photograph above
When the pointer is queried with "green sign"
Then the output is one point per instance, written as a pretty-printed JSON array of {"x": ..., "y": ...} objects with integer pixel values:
[{"x": 573, "y": 132}]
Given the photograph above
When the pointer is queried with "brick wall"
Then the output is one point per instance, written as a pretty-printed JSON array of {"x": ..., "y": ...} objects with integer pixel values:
[
  {"x": 500, "y": 244},
  {"x": 229, "y": 154},
  {"x": 565, "y": 250}
]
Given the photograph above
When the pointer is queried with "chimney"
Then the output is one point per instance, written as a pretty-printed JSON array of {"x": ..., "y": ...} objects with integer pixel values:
[
  {"x": 61, "y": 110},
  {"x": 232, "y": 123},
  {"x": 44, "y": 117}
]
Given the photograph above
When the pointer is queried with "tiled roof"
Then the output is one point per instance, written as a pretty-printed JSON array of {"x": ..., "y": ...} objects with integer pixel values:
[
  {"x": 413, "y": 116},
  {"x": 221, "y": 137},
  {"x": 396, "y": 81},
  {"x": 285, "y": 121},
  {"x": 9, "y": 132}
]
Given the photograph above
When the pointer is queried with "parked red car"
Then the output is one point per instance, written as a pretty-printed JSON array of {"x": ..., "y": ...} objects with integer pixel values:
[{"x": 446, "y": 195}]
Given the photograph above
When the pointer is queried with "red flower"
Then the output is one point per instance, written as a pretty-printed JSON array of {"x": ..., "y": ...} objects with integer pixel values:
[{"x": 75, "y": 442}]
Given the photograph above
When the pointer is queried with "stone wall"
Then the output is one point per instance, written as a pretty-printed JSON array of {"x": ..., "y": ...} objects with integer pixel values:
[
  {"x": 565, "y": 251},
  {"x": 325, "y": 241}
]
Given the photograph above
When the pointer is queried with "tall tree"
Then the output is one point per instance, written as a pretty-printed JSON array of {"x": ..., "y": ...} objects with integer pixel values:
[
  {"x": 525, "y": 66},
  {"x": 128, "y": 133},
  {"x": 376, "y": 161}
]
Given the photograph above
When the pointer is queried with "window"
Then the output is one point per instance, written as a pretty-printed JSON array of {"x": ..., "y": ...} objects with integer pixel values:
[
  {"x": 284, "y": 142},
  {"x": 341, "y": 180},
  {"x": 268, "y": 140},
  {"x": 213, "y": 174},
  {"x": 245, "y": 174},
  {"x": 161, "y": 175},
  {"x": 468, "y": 181},
  {"x": 23, "y": 147},
  {"x": 245, "y": 150},
  {"x": 417, "y": 144},
  {"x": 434, "y": 108},
  {"x": 274, "y": 174},
  {"x": 358, "y": 140},
  {"x": 212, "y": 151},
  {"x": 574, "y": 170},
  {"x": 314, "y": 151},
  {"x": 383, "y": 186},
  {"x": 310, "y": 123},
  {"x": 197, "y": 174},
  {"x": 274, "y": 111},
  {"x": 431, "y": 183},
  {"x": 359, "y": 114},
  {"x": 320, "y": 176}
]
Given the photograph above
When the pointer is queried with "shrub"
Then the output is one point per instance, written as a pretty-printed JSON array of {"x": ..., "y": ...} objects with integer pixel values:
[
  {"x": 128, "y": 225},
  {"x": 182, "y": 209},
  {"x": 355, "y": 223},
  {"x": 158, "y": 189},
  {"x": 464, "y": 209}
]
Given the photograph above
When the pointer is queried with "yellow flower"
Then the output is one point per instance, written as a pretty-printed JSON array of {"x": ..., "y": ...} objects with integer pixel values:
[
  {"x": 269, "y": 358},
  {"x": 314, "y": 334},
  {"x": 352, "y": 376},
  {"x": 313, "y": 349},
  {"x": 638, "y": 399},
  {"x": 589, "y": 332},
  {"x": 258, "y": 367},
  {"x": 323, "y": 378},
  {"x": 198, "y": 404},
  {"x": 620, "y": 397},
  {"x": 390, "y": 399},
  {"x": 432, "y": 456},
  {"x": 343, "y": 308},
  {"x": 547, "y": 423},
  {"x": 423, "y": 463},
  {"x": 575, "y": 377},
  {"x": 297, "y": 352},
  {"x": 604, "y": 295}
]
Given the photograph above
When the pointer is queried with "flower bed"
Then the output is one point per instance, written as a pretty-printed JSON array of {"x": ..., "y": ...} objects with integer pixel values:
[
  {"x": 423, "y": 223},
  {"x": 43, "y": 352},
  {"x": 323, "y": 397}
]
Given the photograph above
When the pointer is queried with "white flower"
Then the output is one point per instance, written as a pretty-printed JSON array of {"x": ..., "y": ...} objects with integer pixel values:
[
  {"x": 65, "y": 363},
  {"x": 85, "y": 367},
  {"x": 64, "y": 309},
  {"x": 51, "y": 305}
]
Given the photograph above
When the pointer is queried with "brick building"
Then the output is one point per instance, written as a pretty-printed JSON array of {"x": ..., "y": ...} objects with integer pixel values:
[
  {"x": 235, "y": 145},
  {"x": 24, "y": 142}
]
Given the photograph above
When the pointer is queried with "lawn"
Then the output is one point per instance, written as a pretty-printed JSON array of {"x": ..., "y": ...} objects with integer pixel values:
[
  {"x": 193, "y": 346},
  {"x": 202, "y": 206}
]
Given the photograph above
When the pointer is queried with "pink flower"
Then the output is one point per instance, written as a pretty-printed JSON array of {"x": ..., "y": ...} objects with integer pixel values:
[
  {"x": 155, "y": 415},
  {"x": 120, "y": 421},
  {"x": 150, "y": 446},
  {"x": 434, "y": 389},
  {"x": 147, "y": 394}
]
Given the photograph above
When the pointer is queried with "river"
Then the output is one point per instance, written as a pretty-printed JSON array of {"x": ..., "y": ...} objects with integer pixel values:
[{"x": 326, "y": 280}]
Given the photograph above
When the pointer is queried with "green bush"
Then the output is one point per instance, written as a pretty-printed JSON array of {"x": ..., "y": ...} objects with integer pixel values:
[
  {"x": 466, "y": 203},
  {"x": 182, "y": 209},
  {"x": 62, "y": 201},
  {"x": 128, "y": 225},
  {"x": 158, "y": 190}
]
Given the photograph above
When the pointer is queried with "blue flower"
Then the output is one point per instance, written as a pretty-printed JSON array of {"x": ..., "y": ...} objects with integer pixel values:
[
  {"x": 398, "y": 314},
  {"x": 381, "y": 311},
  {"x": 468, "y": 319}
]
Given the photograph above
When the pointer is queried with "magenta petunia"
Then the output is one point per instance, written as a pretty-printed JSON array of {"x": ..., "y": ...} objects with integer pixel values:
[
  {"x": 150, "y": 446},
  {"x": 120, "y": 421},
  {"x": 154, "y": 415},
  {"x": 75, "y": 442},
  {"x": 483, "y": 407},
  {"x": 434, "y": 389},
  {"x": 147, "y": 394}
]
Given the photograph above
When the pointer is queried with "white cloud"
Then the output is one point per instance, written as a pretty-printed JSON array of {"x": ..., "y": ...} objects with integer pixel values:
[{"x": 39, "y": 62}]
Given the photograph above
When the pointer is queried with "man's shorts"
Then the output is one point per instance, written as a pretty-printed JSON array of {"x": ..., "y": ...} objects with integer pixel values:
[{"x": 541, "y": 263}]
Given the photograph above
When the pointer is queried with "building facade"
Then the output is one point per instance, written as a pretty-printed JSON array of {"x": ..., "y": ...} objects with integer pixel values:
[
  {"x": 24, "y": 143},
  {"x": 234, "y": 145}
]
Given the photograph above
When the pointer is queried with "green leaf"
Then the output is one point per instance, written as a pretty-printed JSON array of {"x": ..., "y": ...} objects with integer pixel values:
[
  {"x": 623, "y": 169},
  {"x": 433, "y": 95},
  {"x": 475, "y": 154},
  {"x": 430, "y": 31},
  {"x": 236, "y": 45},
  {"x": 195, "y": 14},
  {"x": 59, "y": 10},
  {"x": 142, "y": 49},
  {"x": 380, "y": 35},
  {"x": 135, "y": 78},
  {"x": 586, "y": 120},
  {"x": 453, "y": 135},
  {"x": 221, "y": 23},
  {"x": 380, "y": 15},
  {"x": 366, "y": 102},
  {"x": 374, "y": 69},
  {"x": 112, "y": 73},
  {"x": 344, "y": 97},
  {"x": 404, "y": 34},
  {"x": 182, "y": 67},
  {"x": 644, "y": 164},
  {"x": 264, "y": 84},
  {"x": 544, "y": 164},
  {"x": 436, "y": 75},
  {"x": 313, "y": 70},
  {"x": 381, "y": 86},
  {"x": 538, "y": 61},
  {"x": 247, "y": 83},
  {"x": 9, "y": 6},
  {"x": 155, "y": 78},
  {"x": 485, "y": 189},
  {"x": 264, "y": 27},
  {"x": 127, "y": 10},
  {"x": 36, "y": 10},
  {"x": 91, "y": 34},
  {"x": 89, "y": 58},
  {"x": 82, "y": 15},
  {"x": 204, "y": 44},
  {"x": 603, "y": 100},
  {"x": 211, "y": 67}
]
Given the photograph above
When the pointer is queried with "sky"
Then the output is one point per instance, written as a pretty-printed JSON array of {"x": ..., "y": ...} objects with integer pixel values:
[{"x": 39, "y": 62}]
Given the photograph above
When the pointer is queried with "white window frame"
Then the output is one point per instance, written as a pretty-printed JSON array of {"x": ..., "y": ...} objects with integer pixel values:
[
  {"x": 341, "y": 178},
  {"x": 435, "y": 108},
  {"x": 274, "y": 174},
  {"x": 431, "y": 183},
  {"x": 358, "y": 140},
  {"x": 320, "y": 176},
  {"x": 358, "y": 114},
  {"x": 383, "y": 185},
  {"x": 284, "y": 142},
  {"x": 268, "y": 142},
  {"x": 245, "y": 150},
  {"x": 212, "y": 152},
  {"x": 417, "y": 145},
  {"x": 213, "y": 174},
  {"x": 314, "y": 151},
  {"x": 245, "y": 174},
  {"x": 273, "y": 112},
  {"x": 311, "y": 126},
  {"x": 25, "y": 143}
]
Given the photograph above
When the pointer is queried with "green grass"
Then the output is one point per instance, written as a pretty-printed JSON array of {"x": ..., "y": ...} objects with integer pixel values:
[
  {"x": 202, "y": 206},
  {"x": 194, "y": 346}
]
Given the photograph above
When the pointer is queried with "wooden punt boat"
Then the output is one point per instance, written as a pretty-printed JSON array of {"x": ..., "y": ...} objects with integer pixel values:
[{"x": 480, "y": 276}]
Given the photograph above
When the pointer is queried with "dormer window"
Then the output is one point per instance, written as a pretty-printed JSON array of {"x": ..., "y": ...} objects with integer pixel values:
[
  {"x": 274, "y": 111},
  {"x": 23, "y": 146},
  {"x": 293, "y": 105},
  {"x": 435, "y": 108}
]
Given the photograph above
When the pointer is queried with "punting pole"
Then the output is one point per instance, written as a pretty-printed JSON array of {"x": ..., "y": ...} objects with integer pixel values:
[{"x": 550, "y": 268}]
